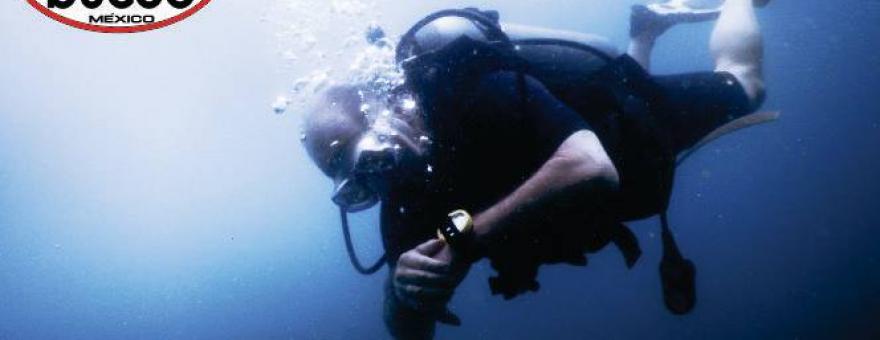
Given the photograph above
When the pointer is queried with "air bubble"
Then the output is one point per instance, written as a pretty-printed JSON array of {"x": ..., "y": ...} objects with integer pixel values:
[
  {"x": 300, "y": 84},
  {"x": 310, "y": 41},
  {"x": 290, "y": 55},
  {"x": 280, "y": 104},
  {"x": 408, "y": 104}
]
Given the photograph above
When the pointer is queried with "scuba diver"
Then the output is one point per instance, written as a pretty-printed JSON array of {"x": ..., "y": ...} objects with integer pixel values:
[{"x": 526, "y": 147}]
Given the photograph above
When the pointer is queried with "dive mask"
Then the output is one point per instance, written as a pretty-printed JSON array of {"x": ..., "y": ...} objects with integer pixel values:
[{"x": 372, "y": 158}]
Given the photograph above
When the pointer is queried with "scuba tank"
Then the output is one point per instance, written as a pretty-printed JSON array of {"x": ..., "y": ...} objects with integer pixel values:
[{"x": 554, "y": 57}]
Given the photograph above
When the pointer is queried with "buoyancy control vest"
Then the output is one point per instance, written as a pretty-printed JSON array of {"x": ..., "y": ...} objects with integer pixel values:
[{"x": 558, "y": 63}]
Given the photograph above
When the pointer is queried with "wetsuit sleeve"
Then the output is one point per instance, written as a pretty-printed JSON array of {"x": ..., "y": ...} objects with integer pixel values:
[{"x": 543, "y": 120}]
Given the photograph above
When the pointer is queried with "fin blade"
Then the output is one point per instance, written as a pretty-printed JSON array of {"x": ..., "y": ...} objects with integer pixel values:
[{"x": 743, "y": 122}]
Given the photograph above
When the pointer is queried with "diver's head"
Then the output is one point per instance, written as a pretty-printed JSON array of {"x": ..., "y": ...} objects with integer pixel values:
[
  {"x": 331, "y": 124},
  {"x": 363, "y": 142}
]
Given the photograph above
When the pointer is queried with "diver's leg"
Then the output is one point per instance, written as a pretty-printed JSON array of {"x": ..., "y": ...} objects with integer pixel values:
[
  {"x": 738, "y": 47},
  {"x": 696, "y": 104},
  {"x": 649, "y": 22},
  {"x": 644, "y": 31},
  {"x": 640, "y": 49}
]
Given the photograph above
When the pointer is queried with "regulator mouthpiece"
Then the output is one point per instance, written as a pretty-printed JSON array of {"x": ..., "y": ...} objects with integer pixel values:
[{"x": 353, "y": 196}]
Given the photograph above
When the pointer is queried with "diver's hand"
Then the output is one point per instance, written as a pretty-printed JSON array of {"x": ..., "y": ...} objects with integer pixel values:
[
  {"x": 425, "y": 277},
  {"x": 458, "y": 266}
]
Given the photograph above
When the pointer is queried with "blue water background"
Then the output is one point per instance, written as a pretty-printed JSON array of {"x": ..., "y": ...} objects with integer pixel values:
[{"x": 147, "y": 191}]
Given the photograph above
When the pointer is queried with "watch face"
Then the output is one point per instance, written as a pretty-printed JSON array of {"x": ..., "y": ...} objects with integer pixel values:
[
  {"x": 457, "y": 232},
  {"x": 461, "y": 219}
]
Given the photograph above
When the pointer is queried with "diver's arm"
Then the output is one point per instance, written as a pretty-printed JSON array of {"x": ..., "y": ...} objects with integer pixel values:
[{"x": 579, "y": 165}]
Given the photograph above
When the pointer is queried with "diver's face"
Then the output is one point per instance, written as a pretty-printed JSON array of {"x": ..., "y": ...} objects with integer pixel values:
[
  {"x": 366, "y": 146},
  {"x": 327, "y": 143},
  {"x": 386, "y": 151},
  {"x": 366, "y": 167}
]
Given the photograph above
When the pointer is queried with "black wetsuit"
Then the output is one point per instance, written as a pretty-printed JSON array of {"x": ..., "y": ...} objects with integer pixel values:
[{"x": 493, "y": 128}]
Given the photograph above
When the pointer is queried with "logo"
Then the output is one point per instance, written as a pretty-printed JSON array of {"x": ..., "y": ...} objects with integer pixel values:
[{"x": 118, "y": 16}]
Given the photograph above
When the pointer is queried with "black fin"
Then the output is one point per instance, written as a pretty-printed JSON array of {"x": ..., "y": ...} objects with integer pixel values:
[{"x": 677, "y": 274}]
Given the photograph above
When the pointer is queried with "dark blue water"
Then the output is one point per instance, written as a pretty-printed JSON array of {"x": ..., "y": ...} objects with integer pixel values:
[{"x": 147, "y": 191}]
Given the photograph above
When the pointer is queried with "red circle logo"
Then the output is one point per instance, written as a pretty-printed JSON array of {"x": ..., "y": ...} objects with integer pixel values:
[{"x": 118, "y": 16}]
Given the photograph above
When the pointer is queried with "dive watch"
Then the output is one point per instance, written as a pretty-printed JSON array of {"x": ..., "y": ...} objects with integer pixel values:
[{"x": 458, "y": 231}]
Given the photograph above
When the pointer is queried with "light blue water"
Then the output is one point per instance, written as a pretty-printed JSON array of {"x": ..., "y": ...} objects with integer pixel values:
[{"x": 148, "y": 191}]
